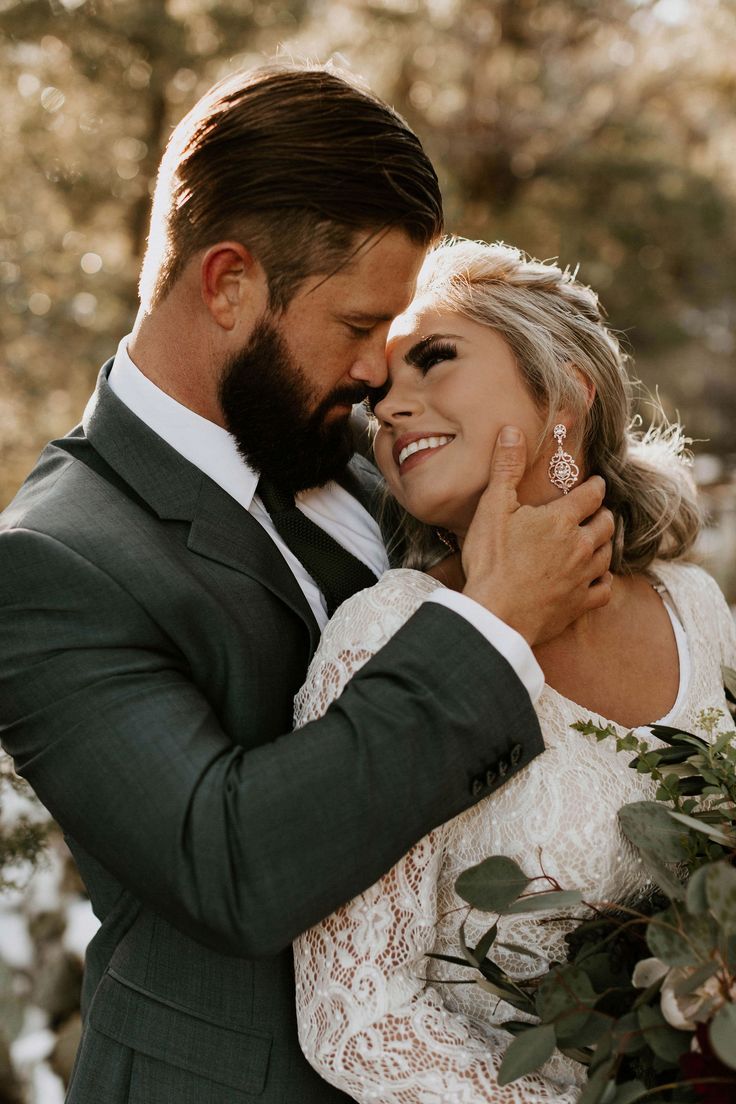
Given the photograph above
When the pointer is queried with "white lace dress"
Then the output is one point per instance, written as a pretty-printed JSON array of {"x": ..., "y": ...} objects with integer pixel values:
[{"x": 375, "y": 1018}]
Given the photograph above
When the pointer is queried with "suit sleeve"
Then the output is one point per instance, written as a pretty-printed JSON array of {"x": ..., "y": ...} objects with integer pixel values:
[{"x": 241, "y": 849}]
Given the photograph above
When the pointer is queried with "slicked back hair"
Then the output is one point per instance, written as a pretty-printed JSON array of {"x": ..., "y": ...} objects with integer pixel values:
[{"x": 297, "y": 163}]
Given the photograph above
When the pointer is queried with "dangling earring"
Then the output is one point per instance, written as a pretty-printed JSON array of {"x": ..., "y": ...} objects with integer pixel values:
[{"x": 563, "y": 471}]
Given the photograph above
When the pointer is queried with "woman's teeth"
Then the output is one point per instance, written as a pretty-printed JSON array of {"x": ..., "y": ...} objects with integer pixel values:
[{"x": 422, "y": 443}]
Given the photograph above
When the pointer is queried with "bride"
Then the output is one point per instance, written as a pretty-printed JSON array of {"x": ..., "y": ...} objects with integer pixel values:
[{"x": 494, "y": 339}]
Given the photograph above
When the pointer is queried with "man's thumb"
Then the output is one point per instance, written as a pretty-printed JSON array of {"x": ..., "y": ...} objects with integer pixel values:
[{"x": 509, "y": 459}]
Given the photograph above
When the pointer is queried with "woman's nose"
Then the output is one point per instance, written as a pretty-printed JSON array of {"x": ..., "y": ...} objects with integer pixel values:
[{"x": 396, "y": 401}]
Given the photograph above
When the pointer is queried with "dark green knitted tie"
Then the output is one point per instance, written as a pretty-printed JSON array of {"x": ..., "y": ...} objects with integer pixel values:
[{"x": 337, "y": 572}]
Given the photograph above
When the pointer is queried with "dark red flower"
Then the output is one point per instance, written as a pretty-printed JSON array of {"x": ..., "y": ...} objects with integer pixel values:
[{"x": 696, "y": 1066}]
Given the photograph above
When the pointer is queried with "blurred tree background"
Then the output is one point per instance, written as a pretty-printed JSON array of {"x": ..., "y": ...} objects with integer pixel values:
[{"x": 601, "y": 132}]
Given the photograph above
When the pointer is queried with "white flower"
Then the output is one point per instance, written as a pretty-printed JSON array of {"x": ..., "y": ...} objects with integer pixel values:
[
  {"x": 682, "y": 1010},
  {"x": 647, "y": 971}
]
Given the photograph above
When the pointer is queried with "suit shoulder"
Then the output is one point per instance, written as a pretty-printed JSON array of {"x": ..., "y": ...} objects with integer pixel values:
[{"x": 65, "y": 499}]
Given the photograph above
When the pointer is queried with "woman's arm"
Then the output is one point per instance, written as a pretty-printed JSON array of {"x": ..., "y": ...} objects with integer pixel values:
[{"x": 368, "y": 1022}]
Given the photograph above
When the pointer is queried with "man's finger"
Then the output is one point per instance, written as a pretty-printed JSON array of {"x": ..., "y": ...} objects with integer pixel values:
[
  {"x": 600, "y": 562},
  {"x": 600, "y": 527},
  {"x": 583, "y": 500},
  {"x": 599, "y": 593},
  {"x": 507, "y": 467}
]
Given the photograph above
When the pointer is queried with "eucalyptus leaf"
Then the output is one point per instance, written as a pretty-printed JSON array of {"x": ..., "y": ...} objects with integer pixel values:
[
  {"x": 720, "y": 890},
  {"x": 591, "y": 1030},
  {"x": 527, "y": 1053},
  {"x": 649, "y": 825},
  {"x": 555, "y": 899},
  {"x": 492, "y": 884},
  {"x": 505, "y": 994},
  {"x": 453, "y": 959},
  {"x": 700, "y": 826},
  {"x": 662, "y": 876},
  {"x": 595, "y": 1087},
  {"x": 519, "y": 948},
  {"x": 695, "y": 897},
  {"x": 722, "y": 1035},
  {"x": 691, "y": 982},
  {"x": 681, "y": 939},
  {"x": 666, "y": 1042},
  {"x": 629, "y": 1091},
  {"x": 627, "y": 1034},
  {"x": 670, "y": 735},
  {"x": 566, "y": 998},
  {"x": 485, "y": 943}
]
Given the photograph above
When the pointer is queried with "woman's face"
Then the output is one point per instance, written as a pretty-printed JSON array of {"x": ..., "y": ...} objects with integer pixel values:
[{"x": 452, "y": 384}]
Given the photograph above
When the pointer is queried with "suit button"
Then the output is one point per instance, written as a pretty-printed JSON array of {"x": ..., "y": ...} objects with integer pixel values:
[
  {"x": 477, "y": 787},
  {"x": 516, "y": 753},
  {"x": 503, "y": 767},
  {"x": 491, "y": 776}
]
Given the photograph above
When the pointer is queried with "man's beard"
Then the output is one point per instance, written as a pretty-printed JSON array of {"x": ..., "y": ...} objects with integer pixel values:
[{"x": 266, "y": 401}]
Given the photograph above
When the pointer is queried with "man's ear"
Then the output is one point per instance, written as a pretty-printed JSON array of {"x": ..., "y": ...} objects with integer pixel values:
[{"x": 234, "y": 285}]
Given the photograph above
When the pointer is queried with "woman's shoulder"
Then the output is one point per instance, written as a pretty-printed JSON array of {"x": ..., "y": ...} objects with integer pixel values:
[
  {"x": 373, "y": 615},
  {"x": 687, "y": 580},
  {"x": 699, "y": 601}
]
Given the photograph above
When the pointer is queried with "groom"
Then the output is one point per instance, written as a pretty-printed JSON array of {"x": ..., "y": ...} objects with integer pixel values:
[{"x": 161, "y": 596}]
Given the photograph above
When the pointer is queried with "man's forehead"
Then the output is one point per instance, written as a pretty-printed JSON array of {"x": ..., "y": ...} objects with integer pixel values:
[{"x": 413, "y": 323}]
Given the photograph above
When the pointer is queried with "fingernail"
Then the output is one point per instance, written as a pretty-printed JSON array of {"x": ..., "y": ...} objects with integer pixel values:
[{"x": 510, "y": 435}]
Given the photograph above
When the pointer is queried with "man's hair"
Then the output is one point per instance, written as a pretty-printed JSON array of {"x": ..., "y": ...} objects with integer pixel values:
[{"x": 292, "y": 162}]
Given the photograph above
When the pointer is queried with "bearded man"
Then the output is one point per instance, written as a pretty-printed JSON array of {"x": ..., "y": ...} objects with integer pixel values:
[{"x": 161, "y": 593}]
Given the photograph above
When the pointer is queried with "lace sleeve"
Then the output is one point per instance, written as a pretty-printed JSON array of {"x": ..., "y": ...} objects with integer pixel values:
[
  {"x": 368, "y": 1022},
  {"x": 726, "y": 629},
  {"x": 358, "y": 629}
]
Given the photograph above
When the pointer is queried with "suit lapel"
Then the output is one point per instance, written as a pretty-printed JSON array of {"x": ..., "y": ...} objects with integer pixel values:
[{"x": 221, "y": 529}]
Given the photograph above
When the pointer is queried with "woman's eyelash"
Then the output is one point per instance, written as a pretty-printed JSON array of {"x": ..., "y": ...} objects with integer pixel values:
[{"x": 432, "y": 354}]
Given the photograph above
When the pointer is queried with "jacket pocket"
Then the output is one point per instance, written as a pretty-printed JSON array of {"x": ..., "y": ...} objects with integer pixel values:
[{"x": 141, "y": 1021}]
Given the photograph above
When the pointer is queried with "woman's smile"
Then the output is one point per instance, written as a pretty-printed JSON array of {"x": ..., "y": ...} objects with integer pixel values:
[{"x": 412, "y": 448}]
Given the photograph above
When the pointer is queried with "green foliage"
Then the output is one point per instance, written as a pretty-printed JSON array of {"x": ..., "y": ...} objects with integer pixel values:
[
  {"x": 634, "y": 1037},
  {"x": 492, "y": 884},
  {"x": 596, "y": 133},
  {"x": 24, "y": 834}
]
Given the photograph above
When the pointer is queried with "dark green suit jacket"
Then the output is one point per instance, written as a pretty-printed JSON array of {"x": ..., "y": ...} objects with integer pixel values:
[{"x": 152, "y": 639}]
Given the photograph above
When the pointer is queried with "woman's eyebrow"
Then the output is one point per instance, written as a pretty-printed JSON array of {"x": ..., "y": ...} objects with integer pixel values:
[{"x": 415, "y": 354}]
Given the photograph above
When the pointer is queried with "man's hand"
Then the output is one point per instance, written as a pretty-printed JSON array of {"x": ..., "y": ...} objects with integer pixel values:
[{"x": 538, "y": 568}]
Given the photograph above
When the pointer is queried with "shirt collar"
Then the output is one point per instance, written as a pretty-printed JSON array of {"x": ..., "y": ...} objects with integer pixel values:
[{"x": 206, "y": 445}]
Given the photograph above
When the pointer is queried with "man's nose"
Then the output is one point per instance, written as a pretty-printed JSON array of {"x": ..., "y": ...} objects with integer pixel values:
[{"x": 370, "y": 366}]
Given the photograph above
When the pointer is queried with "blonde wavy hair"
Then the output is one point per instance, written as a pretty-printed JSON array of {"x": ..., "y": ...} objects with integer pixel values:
[{"x": 556, "y": 329}]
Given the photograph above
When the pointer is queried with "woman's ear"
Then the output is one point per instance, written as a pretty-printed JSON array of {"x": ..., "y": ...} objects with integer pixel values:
[
  {"x": 569, "y": 416},
  {"x": 586, "y": 384},
  {"x": 233, "y": 284}
]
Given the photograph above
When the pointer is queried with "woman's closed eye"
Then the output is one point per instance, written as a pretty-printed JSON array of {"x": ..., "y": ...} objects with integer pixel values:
[{"x": 431, "y": 351}]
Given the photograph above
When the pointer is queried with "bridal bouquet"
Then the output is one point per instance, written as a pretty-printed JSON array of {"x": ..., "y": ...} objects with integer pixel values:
[{"x": 647, "y": 997}]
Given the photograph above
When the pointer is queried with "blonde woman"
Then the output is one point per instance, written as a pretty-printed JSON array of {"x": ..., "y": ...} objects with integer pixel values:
[{"x": 491, "y": 339}]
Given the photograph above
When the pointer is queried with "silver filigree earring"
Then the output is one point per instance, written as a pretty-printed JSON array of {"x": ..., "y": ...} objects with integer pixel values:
[{"x": 563, "y": 471}]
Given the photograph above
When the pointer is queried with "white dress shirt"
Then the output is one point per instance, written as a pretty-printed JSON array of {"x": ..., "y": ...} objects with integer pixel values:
[{"x": 213, "y": 450}]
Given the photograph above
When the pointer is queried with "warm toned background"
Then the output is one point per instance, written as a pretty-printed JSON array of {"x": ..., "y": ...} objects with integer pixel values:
[{"x": 602, "y": 133}]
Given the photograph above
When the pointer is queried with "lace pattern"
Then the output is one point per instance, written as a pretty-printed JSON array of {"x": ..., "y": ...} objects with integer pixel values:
[{"x": 379, "y": 1019}]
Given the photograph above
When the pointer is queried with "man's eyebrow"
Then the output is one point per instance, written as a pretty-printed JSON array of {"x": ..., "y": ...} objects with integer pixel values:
[{"x": 415, "y": 354}]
